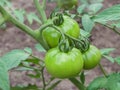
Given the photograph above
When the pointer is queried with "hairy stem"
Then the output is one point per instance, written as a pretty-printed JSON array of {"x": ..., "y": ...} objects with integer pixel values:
[
  {"x": 23, "y": 27},
  {"x": 44, "y": 4},
  {"x": 77, "y": 83},
  {"x": 43, "y": 78},
  {"x": 41, "y": 9},
  {"x": 102, "y": 69},
  {"x": 111, "y": 28}
]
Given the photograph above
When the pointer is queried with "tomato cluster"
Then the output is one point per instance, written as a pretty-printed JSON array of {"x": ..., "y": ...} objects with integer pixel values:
[
  {"x": 69, "y": 27},
  {"x": 68, "y": 64}
]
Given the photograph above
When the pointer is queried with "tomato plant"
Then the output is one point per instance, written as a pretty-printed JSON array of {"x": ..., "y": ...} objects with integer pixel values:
[
  {"x": 64, "y": 65},
  {"x": 91, "y": 57},
  {"x": 65, "y": 39}
]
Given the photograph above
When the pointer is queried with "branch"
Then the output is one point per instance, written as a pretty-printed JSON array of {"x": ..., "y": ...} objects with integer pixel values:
[
  {"x": 110, "y": 27},
  {"x": 23, "y": 27}
]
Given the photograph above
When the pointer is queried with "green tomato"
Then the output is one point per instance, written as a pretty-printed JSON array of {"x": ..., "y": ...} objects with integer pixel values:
[
  {"x": 67, "y": 4},
  {"x": 51, "y": 36},
  {"x": 63, "y": 65},
  {"x": 69, "y": 26},
  {"x": 91, "y": 57}
]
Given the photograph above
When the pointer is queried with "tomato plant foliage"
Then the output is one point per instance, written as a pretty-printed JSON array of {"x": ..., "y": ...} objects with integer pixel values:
[
  {"x": 64, "y": 43},
  {"x": 112, "y": 82}
]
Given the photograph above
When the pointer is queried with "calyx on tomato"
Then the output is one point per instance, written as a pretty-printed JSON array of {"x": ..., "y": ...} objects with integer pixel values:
[
  {"x": 91, "y": 57},
  {"x": 63, "y": 65}
]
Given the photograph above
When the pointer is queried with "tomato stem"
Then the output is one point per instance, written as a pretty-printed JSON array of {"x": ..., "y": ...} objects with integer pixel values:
[
  {"x": 103, "y": 70},
  {"x": 23, "y": 27},
  {"x": 110, "y": 27},
  {"x": 43, "y": 78},
  {"x": 82, "y": 43},
  {"x": 41, "y": 9},
  {"x": 77, "y": 83}
]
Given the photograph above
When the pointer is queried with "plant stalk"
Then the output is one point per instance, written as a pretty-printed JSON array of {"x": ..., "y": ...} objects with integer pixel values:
[
  {"x": 77, "y": 83},
  {"x": 41, "y": 9},
  {"x": 102, "y": 69},
  {"x": 43, "y": 78},
  {"x": 23, "y": 27},
  {"x": 111, "y": 28}
]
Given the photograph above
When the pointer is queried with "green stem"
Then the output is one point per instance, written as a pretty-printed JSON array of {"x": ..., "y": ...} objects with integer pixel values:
[
  {"x": 56, "y": 28},
  {"x": 52, "y": 26},
  {"x": 110, "y": 27},
  {"x": 20, "y": 25},
  {"x": 23, "y": 27},
  {"x": 102, "y": 69},
  {"x": 40, "y": 9},
  {"x": 44, "y": 4},
  {"x": 43, "y": 78},
  {"x": 77, "y": 83}
]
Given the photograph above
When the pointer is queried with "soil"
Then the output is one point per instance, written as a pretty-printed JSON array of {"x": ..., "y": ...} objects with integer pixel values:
[{"x": 13, "y": 38}]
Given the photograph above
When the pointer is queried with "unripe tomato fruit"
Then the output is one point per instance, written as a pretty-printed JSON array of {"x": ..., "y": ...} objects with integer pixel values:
[
  {"x": 51, "y": 36},
  {"x": 67, "y": 4},
  {"x": 69, "y": 26},
  {"x": 63, "y": 65},
  {"x": 91, "y": 57}
]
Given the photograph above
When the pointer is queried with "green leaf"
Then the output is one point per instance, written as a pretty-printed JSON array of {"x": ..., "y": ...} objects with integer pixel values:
[
  {"x": 84, "y": 1},
  {"x": 94, "y": 8},
  {"x": 96, "y": 1},
  {"x": 107, "y": 51},
  {"x": 81, "y": 8},
  {"x": 117, "y": 59},
  {"x": 5, "y": 2},
  {"x": 113, "y": 82},
  {"x": 28, "y": 50},
  {"x": 19, "y": 14},
  {"x": 14, "y": 58},
  {"x": 33, "y": 17},
  {"x": 40, "y": 48},
  {"x": 110, "y": 83},
  {"x": 4, "y": 77},
  {"x": 87, "y": 23},
  {"x": 84, "y": 33},
  {"x": 111, "y": 59},
  {"x": 29, "y": 87},
  {"x": 97, "y": 83},
  {"x": 109, "y": 14}
]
